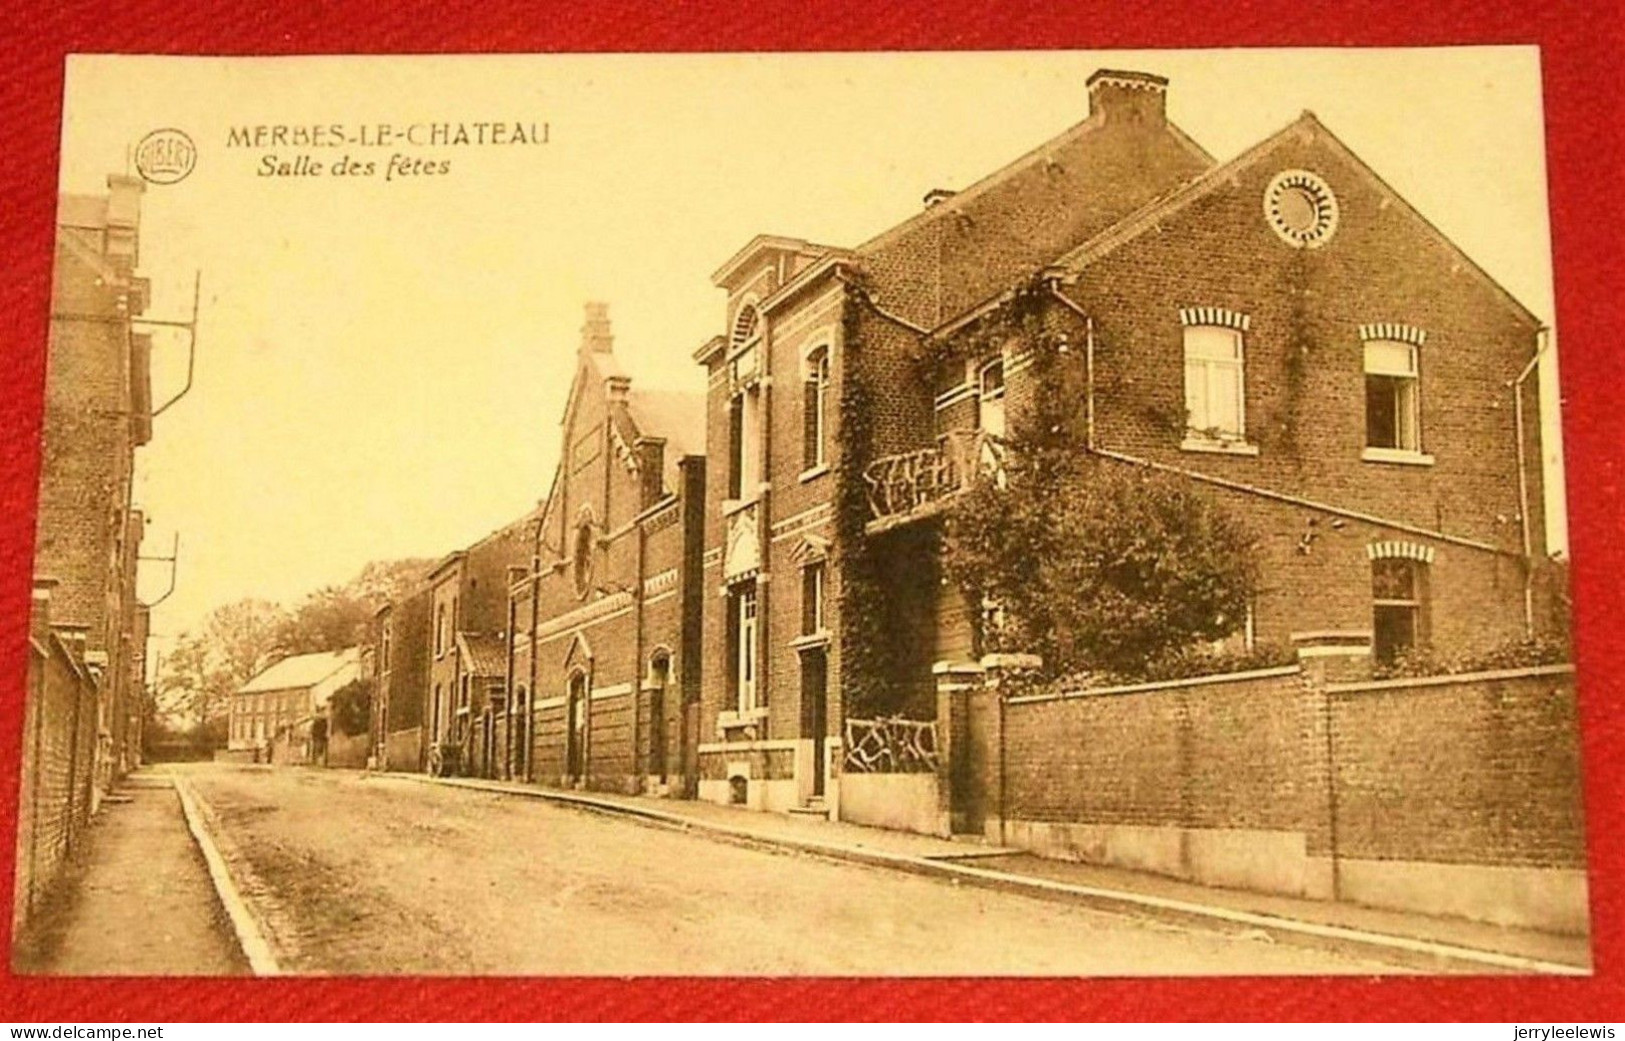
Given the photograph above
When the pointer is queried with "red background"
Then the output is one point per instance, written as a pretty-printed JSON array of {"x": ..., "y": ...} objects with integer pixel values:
[{"x": 1581, "y": 48}]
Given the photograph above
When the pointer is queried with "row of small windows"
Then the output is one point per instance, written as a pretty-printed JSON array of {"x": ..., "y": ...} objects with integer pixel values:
[{"x": 1216, "y": 398}]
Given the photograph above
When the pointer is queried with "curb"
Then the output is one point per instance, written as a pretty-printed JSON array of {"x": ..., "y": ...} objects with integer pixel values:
[
  {"x": 250, "y": 939},
  {"x": 1102, "y": 899}
]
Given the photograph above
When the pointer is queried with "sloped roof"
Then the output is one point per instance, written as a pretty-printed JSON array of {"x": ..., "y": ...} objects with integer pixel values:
[
  {"x": 676, "y": 415},
  {"x": 1013, "y": 221},
  {"x": 299, "y": 671},
  {"x": 483, "y": 654},
  {"x": 1148, "y": 216}
]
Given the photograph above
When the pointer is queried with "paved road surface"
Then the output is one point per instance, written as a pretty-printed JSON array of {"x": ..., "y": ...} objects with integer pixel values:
[{"x": 359, "y": 874}]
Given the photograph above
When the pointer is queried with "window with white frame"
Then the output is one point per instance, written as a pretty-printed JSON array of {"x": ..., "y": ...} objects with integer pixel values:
[
  {"x": 1215, "y": 384},
  {"x": 744, "y": 443},
  {"x": 744, "y": 632},
  {"x": 1392, "y": 396},
  {"x": 812, "y": 598},
  {"x": 990, "y": 397},
  {"x": 814, "y": 410}
]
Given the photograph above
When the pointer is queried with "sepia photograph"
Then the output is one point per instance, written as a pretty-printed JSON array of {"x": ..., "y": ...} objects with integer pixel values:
[{"x": 898, "y": 514}]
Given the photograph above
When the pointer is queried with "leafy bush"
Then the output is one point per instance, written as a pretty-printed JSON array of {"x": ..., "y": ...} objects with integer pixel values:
[
  {"x": 351, "y": 708},
  {"x": 1513, "y": 654},
  {"x": 1189, "y": 663},
  {"x": 1098, "y": 567}
]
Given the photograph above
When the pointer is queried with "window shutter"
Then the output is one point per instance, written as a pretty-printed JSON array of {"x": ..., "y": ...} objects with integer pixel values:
[
  {"x": 810, "y": 425},
  {"x": 736, "y": 435},
  {"x": 809, "y": 599}
]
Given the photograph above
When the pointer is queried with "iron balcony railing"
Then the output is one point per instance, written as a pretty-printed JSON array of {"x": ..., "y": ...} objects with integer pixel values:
[{"x": 914, "y": 484}]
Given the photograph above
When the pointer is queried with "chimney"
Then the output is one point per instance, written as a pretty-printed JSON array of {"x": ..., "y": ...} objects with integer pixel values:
[
  {"x": 124, "y": 218},
  {"x": 1119, "y": 96},
  {"x": 937, "y": 195},
  {"x": 595, "y": 332}
]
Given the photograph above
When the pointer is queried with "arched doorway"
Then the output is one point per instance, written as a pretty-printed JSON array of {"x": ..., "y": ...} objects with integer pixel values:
[
  {"x": 575, "y": 756},
  {"x": 519, "y": 725},
  {"x": 659, "y": 677}
]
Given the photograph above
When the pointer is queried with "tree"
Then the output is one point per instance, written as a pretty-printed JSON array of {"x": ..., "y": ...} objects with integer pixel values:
[
  {"x": 236, "y": 641},
  {"x": 196, "y": 681},
  {"x": 1095, "y": 565},
  {"x": 336, "y": 617},
  {"x": 350, "y": 707}
]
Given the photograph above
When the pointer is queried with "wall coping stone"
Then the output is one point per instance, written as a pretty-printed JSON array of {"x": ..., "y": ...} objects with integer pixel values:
[
  {"x": 1159, "y": 685},
  {"x": 1449, "y": 678}
]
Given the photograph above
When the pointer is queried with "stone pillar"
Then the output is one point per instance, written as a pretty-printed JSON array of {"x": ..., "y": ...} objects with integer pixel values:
[{"x": 1325, "y": 658}]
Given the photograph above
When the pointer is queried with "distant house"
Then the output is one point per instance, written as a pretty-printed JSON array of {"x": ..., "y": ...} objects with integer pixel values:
[
  {"x": 400, "y": 695},
  {"x": 273, "y": 714},
  {"x": 467, "y": 633}
]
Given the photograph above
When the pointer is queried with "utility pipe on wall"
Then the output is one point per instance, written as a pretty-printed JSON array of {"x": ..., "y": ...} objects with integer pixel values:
[{"x": 1541, "y": 340}]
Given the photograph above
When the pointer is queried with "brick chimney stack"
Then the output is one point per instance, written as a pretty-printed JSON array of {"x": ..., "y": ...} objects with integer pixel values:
[
  {"x": 595, "y": 333},
  {"x": 1120, "y": 96}
]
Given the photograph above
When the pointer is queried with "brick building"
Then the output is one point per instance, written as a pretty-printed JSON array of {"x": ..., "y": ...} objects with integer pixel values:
[
  {"x": 82, "y": 727},
  {"x": 1281, "y": 330},
  {"x": 467, "y": 634},
  {"x": 272, "y": 714},
  {"x": 401, "y": 642},
  {"x": 605, "y": 668}
]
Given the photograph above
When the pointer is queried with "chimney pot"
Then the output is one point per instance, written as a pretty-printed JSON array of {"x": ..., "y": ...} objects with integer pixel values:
[{"x": 1123, "y": 96}]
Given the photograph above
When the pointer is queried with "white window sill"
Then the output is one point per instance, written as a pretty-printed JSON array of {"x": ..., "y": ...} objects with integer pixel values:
[
  {"x": 812, "y": 472},
  {"x": 1204, "y": 444},
  {"x": 811, "y": 640},
  {"x": 1402, "y": 456},
  {"x": 728, "y": 720},
  {"x": 733, "y": 506}
]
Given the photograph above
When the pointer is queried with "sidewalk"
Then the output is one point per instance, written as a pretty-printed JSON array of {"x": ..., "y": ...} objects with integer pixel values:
[
  {"x": 137, "y": 899},
  {"x": 1287, "y": 918}
]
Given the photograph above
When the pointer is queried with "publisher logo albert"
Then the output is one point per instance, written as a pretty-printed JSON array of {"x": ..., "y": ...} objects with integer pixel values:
[{"x": 165, "y": 156}]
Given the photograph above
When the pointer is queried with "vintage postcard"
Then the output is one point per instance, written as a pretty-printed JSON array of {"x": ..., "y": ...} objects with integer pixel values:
[{"x": 899, "y": 514}]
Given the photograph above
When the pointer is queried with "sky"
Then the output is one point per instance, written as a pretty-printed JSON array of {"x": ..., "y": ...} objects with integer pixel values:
[{"x": 382, "y": 362}]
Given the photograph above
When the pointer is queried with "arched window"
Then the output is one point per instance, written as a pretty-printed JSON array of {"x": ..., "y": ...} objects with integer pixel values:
[
  {"x": 747, "y": 326},
  {"x": 1215, "y": 387},
  {"x": 1399, "y": 597},
  {"x": 582, "y": 556},
  {"x": 1393, "y": 399},
  {"x": 815, "y": 408},
  {"x": 990, "y": 398}
]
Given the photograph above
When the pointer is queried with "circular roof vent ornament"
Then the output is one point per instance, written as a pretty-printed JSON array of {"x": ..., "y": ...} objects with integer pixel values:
[{"x": 1301, "y": 208}]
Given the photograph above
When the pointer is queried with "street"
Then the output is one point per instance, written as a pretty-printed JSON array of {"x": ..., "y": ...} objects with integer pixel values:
[{"x": 360, "y": 874}]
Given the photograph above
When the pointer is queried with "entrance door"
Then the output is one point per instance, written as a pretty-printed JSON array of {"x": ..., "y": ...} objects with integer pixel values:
[
  {"x": 659, "y": 670},
  {"x": 576, "y": 736},
  {"x": 814, "y": 709}
]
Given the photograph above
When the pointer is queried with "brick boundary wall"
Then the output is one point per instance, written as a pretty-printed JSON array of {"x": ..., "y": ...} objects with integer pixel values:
[
  {"x": 53, "y": 804},
  {"x": 1454, "y": 795}
]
